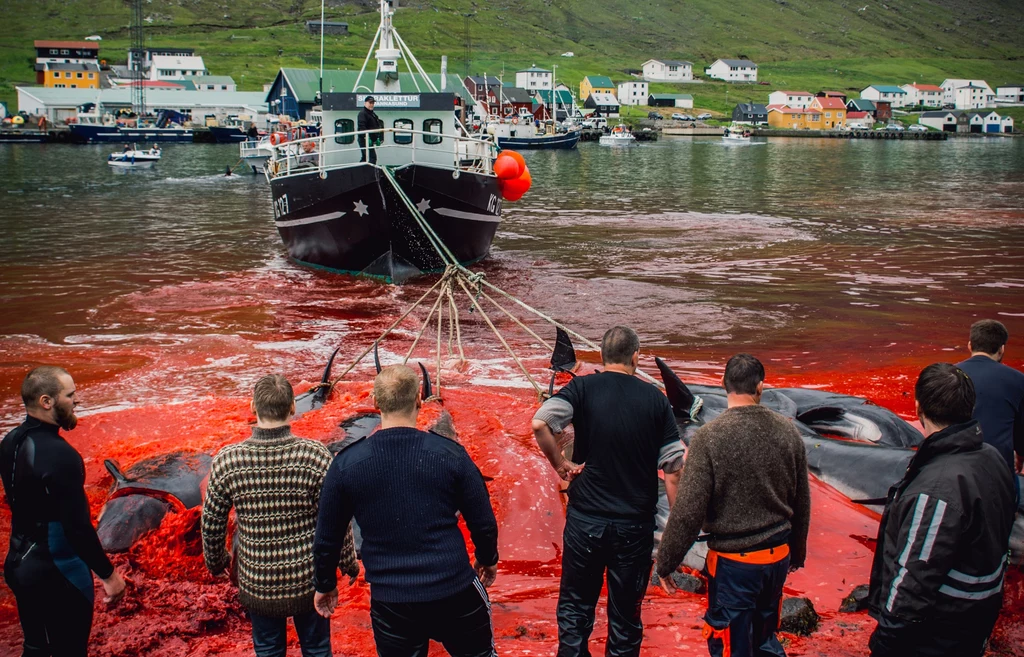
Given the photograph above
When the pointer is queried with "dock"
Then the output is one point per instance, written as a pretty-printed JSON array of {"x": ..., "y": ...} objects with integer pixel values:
[
  {"x": 701, "y": 131},
  {"x": 853, "y": 134}
]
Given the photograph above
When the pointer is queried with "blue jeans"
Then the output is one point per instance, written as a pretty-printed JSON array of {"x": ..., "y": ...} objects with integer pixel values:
[{"x": 269, "y": 635}]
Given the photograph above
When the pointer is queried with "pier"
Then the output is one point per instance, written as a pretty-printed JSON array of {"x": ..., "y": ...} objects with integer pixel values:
[{"x": 854, "y": 134}]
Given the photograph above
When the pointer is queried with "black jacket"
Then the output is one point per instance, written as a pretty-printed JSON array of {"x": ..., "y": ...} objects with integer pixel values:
[
  {"x": 368, "y": 120},
  {"x": 944, "y": 536}
]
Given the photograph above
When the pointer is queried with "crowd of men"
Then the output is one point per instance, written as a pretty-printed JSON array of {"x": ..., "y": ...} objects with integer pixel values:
[{"x": 936, "y": 583}]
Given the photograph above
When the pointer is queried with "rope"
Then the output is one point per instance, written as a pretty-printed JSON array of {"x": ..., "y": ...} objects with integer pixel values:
[
  {"x": 423, "y": 329},
  {"x": 516, "y": 320}
]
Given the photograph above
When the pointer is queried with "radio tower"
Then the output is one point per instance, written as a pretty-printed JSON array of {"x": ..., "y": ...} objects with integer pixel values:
[{"x": 138, "y": 51}]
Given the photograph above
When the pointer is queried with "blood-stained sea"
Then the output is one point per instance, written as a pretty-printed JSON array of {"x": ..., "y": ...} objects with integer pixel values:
[{"x": 846, "y": 265}]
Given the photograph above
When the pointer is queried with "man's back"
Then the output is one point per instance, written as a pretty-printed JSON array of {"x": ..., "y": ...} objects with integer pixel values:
[
  {"x": 999, "y": 403},
  {"x": 406, "y": 489},
  {"x": 621, "y": 424}
]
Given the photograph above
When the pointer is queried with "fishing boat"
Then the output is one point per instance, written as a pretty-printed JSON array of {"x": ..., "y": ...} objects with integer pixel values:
[
  {"x": 619, "y": 136},
  {"x": 94, "y": 128},
  {"x": 521, "y": 133},
  {"x": 736, "y": 136},
  {"x": 135, "y": 158},
  {"x": 337, "y": 209},
  {"x": 232, "y": 130},
  {"x": 255, "y": 153}
]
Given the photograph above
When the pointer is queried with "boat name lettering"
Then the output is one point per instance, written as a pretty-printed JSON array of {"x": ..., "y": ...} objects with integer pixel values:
[
  {"x": 281, "y": 206},
  {"x": 391, "y": 100},
  {"x": 494, "y": 205}
]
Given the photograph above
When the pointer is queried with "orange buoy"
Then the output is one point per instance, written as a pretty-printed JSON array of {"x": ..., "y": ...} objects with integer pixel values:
[
  {"x": 506, "y": 167},
  {"x": 278, "y": 138},
  {"x": 519, "y": 160},
  {"x": 513, "y": 190}
]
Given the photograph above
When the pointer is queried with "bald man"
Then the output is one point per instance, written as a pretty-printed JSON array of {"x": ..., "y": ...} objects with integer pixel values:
[{"x": 406, "y": 489}]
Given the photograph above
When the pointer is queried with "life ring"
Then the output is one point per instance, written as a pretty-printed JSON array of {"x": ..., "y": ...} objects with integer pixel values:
[{"x": 515, "y": 121}]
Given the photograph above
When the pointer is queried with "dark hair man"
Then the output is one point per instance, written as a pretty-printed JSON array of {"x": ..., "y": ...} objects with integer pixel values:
[
  {"x": 368, "y": 120},
  {"x": 745, "y": 483},
  {"x": 999, "y": 390},
  {"x": 625, "y": 432},
  {"x": 405, "y": 488},
  {"x": 273, "y": 481},
  {"x": 937, "y": 577},
  {"x": 53, "y": 542}
]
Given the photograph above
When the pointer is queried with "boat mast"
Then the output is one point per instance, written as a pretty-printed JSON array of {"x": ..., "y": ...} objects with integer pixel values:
[
  {"x": 321, "y": 51},
  {"x": 392, "y": 48}
]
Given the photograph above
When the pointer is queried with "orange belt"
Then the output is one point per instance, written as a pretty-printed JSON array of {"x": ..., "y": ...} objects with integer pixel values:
[{"x": 760, "y": 558}]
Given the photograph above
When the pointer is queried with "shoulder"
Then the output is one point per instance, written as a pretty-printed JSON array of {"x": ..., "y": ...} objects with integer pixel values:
[
  {"x": 313, "y": 448},
  {"x": 351, "y": 452},
  {"x": 438, "y": 443},
  {"x": 228, "y": 456}
]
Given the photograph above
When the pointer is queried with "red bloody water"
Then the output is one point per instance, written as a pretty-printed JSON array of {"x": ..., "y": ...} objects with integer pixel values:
[{"x": 167, "y": 313}]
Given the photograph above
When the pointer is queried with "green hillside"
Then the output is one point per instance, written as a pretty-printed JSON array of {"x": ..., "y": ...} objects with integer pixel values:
[{"x": 813, "y": 44}]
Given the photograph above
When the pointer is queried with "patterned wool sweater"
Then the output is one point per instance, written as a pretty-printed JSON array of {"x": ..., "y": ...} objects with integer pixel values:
[{"x": 273, "y": 481}]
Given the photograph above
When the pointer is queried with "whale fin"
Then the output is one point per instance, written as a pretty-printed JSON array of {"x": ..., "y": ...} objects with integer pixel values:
[
  {"x": 115, "y": 471},
  {"x": 679, "y": 396},
  {"x": 315, "y": 397},
  {"x": 376, "y": 358},
  {"x": 427, "y": 393},
  {"x": 563, "y": 357}
]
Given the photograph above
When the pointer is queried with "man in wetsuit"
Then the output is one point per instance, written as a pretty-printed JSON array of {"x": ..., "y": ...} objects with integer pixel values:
[
  {"x": 368, "y": 120},
  {"x": 53, "y": 542}
]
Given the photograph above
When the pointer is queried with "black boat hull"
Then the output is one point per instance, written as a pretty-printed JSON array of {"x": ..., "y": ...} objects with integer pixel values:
[{"x": 354, "y": 221}]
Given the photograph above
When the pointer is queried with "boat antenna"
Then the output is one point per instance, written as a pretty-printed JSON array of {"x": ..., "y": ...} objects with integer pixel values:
[{"x": 321, "y": 52}]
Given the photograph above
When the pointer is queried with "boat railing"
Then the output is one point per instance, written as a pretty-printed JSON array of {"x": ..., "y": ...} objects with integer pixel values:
[
  {"x": 253, "y": 148},
  {"x": 322, "y": 153}
]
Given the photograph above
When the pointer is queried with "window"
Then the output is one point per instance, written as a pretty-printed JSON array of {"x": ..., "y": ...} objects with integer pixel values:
[
  {"x": 342, "y": 126},
  {"x": 56, "y": 74},
  {"x": 74, "y": 86},
  {"x": 79, "y": 76},
  {"x": 59, "y": 86},
  {"x": 828, "y": 115},
  {"x": 223, "y": 87},
  {"x": 673, "y": 68},
  {"x": 432, "y": 126},
  {"x": 403, "y": 139},
  {"x": 65, "y": 52},
  {"x": 91, "y": 75},
  {"x": 54, "y": 51}
]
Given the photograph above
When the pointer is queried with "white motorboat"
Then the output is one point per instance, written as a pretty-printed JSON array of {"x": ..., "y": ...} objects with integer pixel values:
[
  {"x": 134, "y": 158},
  {"x": 734, "y": 136},
  {"x": 256, "y": 152},
  {"x": 619, "y": 136}
]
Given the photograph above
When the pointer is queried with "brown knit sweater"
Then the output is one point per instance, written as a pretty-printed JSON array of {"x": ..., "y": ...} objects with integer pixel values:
[
  {"x": 273, "y": 480},
  {"x": 745, "y": 474}
]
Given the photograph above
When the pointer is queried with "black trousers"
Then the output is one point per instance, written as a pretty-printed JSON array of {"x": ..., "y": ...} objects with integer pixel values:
[
  {"x": 367, "y": 151},
  {"x": 743, "y": 608},
  {"x": 55, "y": 615},
  {"x": 964, "y": 635},
  {"x": 590, "y": 548},
  {"x": 460, "y": 623}
]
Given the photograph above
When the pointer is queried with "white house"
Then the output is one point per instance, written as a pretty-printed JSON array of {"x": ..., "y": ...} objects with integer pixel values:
[
  {"x": 213, "y": 82},
  {"x": 1013, "y": 93},
  {"x": 1006, "y": 123},
  {"x": 972, "y": 97},
  {"x": 668, "y": 70},
  {"x": 944, "y": 120},
  {"x": 633, "y": 93},
  {"x": 176, "y": 67},
  {"x": 923, "y": 95},
  {"x": 795, "y": 99},
  {"x": 950, "y": 85},
  {"x": 733, "y": 70},
  {"x": 885, "y": 93},
  {"x": 534, "y": 79}
]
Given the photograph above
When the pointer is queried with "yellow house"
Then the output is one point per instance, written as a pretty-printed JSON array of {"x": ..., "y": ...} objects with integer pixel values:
[
  {"x": 833, "y": 112},
  {"x": 596, "y": 83},
  {"x": 794, "y": 118},
  {"x": 71, "y": 76}
]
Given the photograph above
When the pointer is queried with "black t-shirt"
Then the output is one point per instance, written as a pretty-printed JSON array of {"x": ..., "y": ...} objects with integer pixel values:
[{"x": 621, "y": 424}]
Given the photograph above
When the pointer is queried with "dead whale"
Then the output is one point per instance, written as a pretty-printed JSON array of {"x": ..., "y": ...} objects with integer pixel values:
[{"x": 145, "y": 493}]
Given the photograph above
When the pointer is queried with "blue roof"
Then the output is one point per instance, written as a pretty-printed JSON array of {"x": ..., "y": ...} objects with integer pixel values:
[{"x": 888, "y": 89}]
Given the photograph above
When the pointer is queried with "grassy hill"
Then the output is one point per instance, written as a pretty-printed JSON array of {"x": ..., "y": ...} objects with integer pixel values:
[{"x": 812, "y": 44}]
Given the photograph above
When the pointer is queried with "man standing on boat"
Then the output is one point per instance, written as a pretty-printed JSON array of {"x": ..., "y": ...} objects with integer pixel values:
[{"x": 368, "y": 142}]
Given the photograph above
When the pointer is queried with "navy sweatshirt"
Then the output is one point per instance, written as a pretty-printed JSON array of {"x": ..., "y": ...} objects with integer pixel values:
[
  {"x": 999, "y": 404},
  {"x": 405, "y": 488}
]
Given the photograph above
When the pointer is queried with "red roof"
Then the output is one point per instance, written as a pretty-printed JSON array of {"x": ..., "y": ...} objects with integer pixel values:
[
  {"x": 67, "y": 44},
  {"x": 856, "y": 115},
  {"x": 830, "y": 103},
  {"x": 158, "y": 84},
  {"x": 927, "y": 87}
]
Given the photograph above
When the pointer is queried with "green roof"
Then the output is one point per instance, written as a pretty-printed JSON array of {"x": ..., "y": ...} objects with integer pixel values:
[
  {"x": 888, "y": 89},
  {"x": 305, "y": 82},
  {"x": 862, "y": 104},
  {"x": 672, "y": 96},
  {"x": 600, "y": 81},
  {"x": 564, "y": 97}
]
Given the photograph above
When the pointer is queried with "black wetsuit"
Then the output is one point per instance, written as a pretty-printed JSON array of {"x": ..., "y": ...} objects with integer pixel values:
[{"x": 53, "y": 543}]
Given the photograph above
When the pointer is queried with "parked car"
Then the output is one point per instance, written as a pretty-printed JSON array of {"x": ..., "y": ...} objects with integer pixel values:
[
  {"x": 917, "y": 127},
  {"x": 655, "y": 116},
  {"x": 704, "y": 117},
  {"x": 895, "y": 127},
  {"x": 682, "y": 117}
]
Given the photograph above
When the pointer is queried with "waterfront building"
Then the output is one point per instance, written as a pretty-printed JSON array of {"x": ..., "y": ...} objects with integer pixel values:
[
  {"x": 596, "y": 84},
  {"x": 70, "y": 76},
  {"x": 794, "y": 118},
  {"x": 534, "y": 79},
  {"x": 833, "y": 111},
  {"x": 602, "y": 102},
  {"x": 860, "y": 105},
  {"x": 733, "y": 70},
  {"x": 51, "y": 53},
  {"x": 212, "y": 82},
  {"x": 670, "y": 100},
  {"x": 668, "y": 70},
  {"x": 860, "y": 120},
  {"x": 950, "y": 97},
  {"x": 1010, "y": 93},
  {"x": 923, "y": 95},
  {"x": 176, "y": 67},
  {"x": 799, "y": 99},
  {"x": 895, "y": 96},
  {"x": 634, "y": 92},
  {"x": 58, "y": 104},
  {"x": 750, "y": 113}
]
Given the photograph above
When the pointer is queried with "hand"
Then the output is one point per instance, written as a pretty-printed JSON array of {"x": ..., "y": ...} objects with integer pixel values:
[
  {"x": 568, "y": 470},
  {"x": 667, "y": 584},
  {"x": 487, "y": 574},
  {"x": 113, "y": 587},
  {"x": 326, "y": 603}
]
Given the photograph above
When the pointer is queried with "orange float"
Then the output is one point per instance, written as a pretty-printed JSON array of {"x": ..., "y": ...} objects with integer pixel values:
[
  {"x": 506, "y": 167},
  {"x": 513, "y": 190}
]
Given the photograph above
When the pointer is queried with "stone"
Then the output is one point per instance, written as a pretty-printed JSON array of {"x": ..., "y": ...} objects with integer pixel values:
[
  {"x": 798, "y": 616},
  {"x": 856, "y": 601},
  {"x": 684, "y": 582}
]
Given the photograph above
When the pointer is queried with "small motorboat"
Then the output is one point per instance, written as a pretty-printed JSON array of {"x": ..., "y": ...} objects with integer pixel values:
[
  {"x": 256, "y": 152},
  {"x": 619, "y": 136},
  {"x": 135, "y": 158},
  {"x": 736, "y": 136}
]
